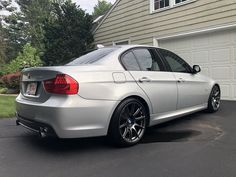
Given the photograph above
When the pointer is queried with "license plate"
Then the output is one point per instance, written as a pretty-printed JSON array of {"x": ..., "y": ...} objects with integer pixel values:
[{"x": 31, "y": 88}]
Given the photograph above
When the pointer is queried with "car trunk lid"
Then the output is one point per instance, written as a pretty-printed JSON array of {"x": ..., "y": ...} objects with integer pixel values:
[
  {"x": 32, "y": 87},
  {"x": 32, "y": 83}
]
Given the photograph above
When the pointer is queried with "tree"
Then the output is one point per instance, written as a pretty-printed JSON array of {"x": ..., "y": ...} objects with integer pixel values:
[
  {"x": 15, "y": 35},
  {"x": 3, "y": 47},
  {"x": 68, "y": 35},
  {"x": 25, "y": 26},
  {"x": 34, "y": 13},
  {"x": 7, "y": 7},
  {"x": 101, "y": 8}
]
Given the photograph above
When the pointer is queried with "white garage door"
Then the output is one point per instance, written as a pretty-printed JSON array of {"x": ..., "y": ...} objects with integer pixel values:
[{"x": 215, "y": 52}]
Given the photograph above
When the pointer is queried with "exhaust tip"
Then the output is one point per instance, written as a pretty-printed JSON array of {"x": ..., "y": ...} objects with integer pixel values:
[
  {"x": 17, "y": 122},
  {"x": 43, "y": 132}
]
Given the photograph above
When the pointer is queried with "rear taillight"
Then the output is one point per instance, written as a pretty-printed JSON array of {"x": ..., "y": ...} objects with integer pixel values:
[{"x": 62, "y": 84}]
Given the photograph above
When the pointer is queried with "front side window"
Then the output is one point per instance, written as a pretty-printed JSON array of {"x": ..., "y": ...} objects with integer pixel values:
[
  {"x": 175, "y": 63},
  {"x": 147, "y": 59}
]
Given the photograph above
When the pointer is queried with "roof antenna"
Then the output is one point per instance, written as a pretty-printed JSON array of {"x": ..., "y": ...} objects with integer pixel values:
[{"x": 99, "y": 46}]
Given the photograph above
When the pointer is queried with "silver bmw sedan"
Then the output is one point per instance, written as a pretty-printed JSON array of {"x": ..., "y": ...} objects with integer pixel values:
[{"x": 115, "y": 91}]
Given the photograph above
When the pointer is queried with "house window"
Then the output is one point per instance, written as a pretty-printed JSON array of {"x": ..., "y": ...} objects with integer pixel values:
[
  {"x": 124, "y": 42},
  {"x": 161, "y": 4},
  {"x": 179, "y": 1}
]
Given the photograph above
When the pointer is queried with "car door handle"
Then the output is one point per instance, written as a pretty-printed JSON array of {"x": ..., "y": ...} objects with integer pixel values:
[
  {"x": 144, "y": 79},
  {"x": 181, "y": 80}
]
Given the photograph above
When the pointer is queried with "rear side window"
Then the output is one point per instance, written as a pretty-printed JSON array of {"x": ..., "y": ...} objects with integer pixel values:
[
  {"x": 92, "y": 57},
  {"x": 147, "y": 59},
  {"x": 129, "y": 61}
]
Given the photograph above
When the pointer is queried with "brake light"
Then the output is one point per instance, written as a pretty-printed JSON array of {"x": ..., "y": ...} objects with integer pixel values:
[{"x": 62, "y": 84}]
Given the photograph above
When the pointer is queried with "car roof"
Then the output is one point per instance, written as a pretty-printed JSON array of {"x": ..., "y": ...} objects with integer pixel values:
[{"x": 126, "y": 47}]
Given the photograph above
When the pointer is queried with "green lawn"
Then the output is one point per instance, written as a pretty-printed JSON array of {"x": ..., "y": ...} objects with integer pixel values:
[{"x": 7, "y": 106}]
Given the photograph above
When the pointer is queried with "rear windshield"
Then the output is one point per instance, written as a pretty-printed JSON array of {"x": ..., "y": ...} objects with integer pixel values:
[{"x": 92, "y": 57}]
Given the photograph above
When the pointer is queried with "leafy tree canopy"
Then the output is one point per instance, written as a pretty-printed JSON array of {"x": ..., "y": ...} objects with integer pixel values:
[
  {"x": 58, "y": 29},
  {"x": 101, "y": 8},
  {"x": 33, "y": 14},
  {"x": 6, "y": 7},
  {"x": 68, "y": 35},
  {"x": 14, "y": 35},
  {"x": 3, "y": 47},
  {"x": 26, "y": 25}
]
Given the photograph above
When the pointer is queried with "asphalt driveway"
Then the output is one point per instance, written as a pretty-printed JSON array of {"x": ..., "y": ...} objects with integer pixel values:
[{"x": 200, "y": 145}]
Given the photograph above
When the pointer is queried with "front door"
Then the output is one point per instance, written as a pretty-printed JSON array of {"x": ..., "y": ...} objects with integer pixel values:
[
  {"x": 192, "y": 88},
  {"x": 159, "y": 86}
]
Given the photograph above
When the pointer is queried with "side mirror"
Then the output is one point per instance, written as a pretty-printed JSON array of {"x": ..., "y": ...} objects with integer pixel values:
[{"x": 196, "y": 69}]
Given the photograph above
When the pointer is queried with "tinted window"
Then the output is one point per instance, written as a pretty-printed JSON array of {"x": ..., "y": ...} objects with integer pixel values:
[
  {"x": 130, "y": 62},
  {"x": 92, "y": 57},
  {"x": 176, "y": 63},
  {"x": 146, "y": 59}
]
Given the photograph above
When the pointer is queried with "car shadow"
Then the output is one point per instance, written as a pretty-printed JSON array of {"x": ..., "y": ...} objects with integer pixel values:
[
  {"x": 176, "y": 130},
  {"x": 169, "y": 136}
]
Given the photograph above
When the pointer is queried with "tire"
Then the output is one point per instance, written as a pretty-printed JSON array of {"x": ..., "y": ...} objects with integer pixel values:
[
  {"x": 214, "y": 100},
  {"x": 128, "y": 123}
]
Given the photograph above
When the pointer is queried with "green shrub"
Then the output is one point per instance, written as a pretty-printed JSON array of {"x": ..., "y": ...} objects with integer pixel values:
[
  {"x": 1, "y": 71},
  {"x": 27, "y": 58},
  {"x": 3, "y": 90},
  {"x": 1, "y": 82},
  {"x": 11, "y": 81}
]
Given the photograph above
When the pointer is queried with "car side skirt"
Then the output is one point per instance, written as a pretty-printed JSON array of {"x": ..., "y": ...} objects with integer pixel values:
[{"x": 164, "y": 117}]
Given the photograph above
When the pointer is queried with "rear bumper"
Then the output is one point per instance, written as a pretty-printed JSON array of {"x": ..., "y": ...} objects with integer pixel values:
[
  {"x": 42, "y": 129},
  {"x": 67, "y": 116}
]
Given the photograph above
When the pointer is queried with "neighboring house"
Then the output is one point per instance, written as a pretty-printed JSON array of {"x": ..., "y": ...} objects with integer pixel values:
[{"x": 201, "y": 31}]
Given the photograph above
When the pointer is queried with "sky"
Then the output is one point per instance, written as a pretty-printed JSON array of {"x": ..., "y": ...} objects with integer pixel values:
[{"x": 89, "y": 4}]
